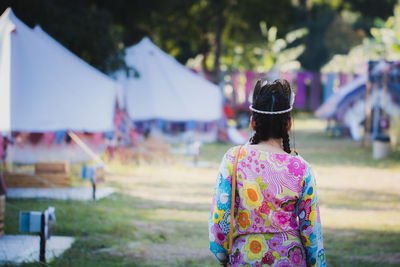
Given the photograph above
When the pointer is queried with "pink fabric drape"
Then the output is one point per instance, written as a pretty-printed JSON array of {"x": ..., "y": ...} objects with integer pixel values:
[
  {"x": 97, "y": 137},
  {"x": 48, "y": 138}
]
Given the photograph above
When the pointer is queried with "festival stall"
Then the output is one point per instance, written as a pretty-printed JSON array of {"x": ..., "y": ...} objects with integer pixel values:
[
  {"x": 367, "y": 101},
  {"x": 312, "y": 89},
  {"x": 162, "y": 93}
]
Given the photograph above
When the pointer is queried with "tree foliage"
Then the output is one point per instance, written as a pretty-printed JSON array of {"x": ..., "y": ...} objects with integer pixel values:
[{"x": 223, "y": 32}]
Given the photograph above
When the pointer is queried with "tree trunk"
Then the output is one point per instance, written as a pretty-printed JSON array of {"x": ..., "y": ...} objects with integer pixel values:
[{"x": 218, "y": 44}]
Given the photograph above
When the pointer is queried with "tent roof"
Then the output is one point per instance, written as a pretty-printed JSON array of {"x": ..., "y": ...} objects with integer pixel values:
[
  {"x": 332, "y": 105},
  {"x": 44, "y": 87},
  {"x": 166, "y": 89}
]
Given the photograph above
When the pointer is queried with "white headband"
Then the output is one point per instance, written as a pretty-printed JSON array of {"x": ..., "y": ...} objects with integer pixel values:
[{"x": 292, "y": 97}]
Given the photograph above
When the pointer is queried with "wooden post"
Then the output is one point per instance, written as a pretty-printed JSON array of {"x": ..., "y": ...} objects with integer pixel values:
[
  {"x": 94, "y": 189},
  {"x": 385, "y": 90},
  {"x": 42, "y": 254},
  {"x": 367, "y": 113}
]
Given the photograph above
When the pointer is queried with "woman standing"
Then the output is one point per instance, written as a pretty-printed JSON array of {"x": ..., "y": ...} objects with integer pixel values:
[{"x": 276, "y": 216}]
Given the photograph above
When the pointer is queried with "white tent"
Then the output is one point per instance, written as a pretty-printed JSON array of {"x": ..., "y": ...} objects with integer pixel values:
[
  {"x": 165, "y": 89},
  {"x": 44, "y": 87}
]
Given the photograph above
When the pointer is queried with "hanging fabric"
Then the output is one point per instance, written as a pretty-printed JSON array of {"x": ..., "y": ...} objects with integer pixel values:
[
  {"x": 315, "y": 91},
  {"x": 328, "y": 86}
]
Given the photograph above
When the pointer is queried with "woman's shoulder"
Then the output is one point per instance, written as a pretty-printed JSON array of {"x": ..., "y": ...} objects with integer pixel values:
[
  {"x": 309, "y": 171},
  {"x": 299, "y": 157},
  {"x": 232, "y": 151}
]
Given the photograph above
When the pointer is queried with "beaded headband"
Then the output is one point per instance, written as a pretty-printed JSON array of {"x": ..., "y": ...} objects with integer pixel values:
[{"x": 292, "y": 98}]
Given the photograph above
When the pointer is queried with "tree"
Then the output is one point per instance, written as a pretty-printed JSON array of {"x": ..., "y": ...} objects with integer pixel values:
[{"x": 84, "y": 29}]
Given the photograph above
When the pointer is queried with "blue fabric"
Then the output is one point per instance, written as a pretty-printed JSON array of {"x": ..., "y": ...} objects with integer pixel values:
[
  {"x": 328, "y": 86},
  {"x": 190, "y": 125},
  {"x": 109, "y": 135},
  {"x": 59, "y": 136}
]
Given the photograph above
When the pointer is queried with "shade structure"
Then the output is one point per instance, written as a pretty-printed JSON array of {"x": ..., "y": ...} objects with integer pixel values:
[
  {"x": 165, "y": 89},
  {"x": 332, "y": 105},
  {"x": 45, "y": 87}
]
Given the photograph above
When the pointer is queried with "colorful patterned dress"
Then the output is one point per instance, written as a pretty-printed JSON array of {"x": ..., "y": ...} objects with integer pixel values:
[{"x": 277, "y": 220}]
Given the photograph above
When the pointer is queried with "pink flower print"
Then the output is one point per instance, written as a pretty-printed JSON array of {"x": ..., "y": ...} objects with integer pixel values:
[
  {"x": 275, "y": 241},
  {"x": 219, "y": 236},
  {"x": 243, "y": 164},
  {"x": 268, "y": 195},
  {"x": 280, "y": 219},
  {"x": 295, "y": 256},
  {"x": 249, "y": 159},
  {"x": 288, "y": 203},
  {"x": 283, "y": 263},
  {"x": 268, "y": 258},
  {"x": 296, "y": 167},
  {"x": 256, "y": 162},
  {"x": 257, "y": 169},
  {"x": 262, "y": 166},
  {"x": 276, "y": 203},
  {"x": 281, "y": 250},
  {"x": 264, "y": 207},
  {"x": 281, "y": 158},
  {"x": 304, "y": 210},
  {"x": 229, "y": 179},
  {"x": 283, "y": 218},
  {"x": 237, "y": 257},
  {"x": 273, "y": 244},
  {"x": 293, "y": 223}
]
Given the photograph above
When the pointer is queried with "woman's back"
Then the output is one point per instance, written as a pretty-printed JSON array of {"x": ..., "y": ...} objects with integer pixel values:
[
  {"x": 273, "y": 191},
  {"x": 269, "y": 185},
  {"x": 276, "y": 217}
]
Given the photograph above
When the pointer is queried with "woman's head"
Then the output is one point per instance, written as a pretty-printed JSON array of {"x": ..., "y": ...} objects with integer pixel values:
[{"x": 271, "y": 97}]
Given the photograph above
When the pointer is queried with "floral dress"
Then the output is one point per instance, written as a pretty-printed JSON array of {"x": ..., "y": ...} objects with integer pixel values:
[{"x": 277, "y": 220}]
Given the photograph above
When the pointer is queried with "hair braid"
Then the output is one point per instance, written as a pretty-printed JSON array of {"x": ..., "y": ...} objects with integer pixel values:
[
  {"x": 285, "y": 139},
  {"x": 271, "y": 97},
  {"x": 255, "y": 139}
]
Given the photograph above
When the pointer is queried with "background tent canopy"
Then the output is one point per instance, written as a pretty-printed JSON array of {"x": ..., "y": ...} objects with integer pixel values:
[
  {"x": 44, "y": 87},
  {"x": 166, "y": 89},
  {"x": 332, "y": 105}
]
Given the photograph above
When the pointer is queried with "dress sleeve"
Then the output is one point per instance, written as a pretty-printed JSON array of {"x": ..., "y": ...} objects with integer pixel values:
[
  {"x": 219, "y": 220},
  {"x": 307, "y": 210}
]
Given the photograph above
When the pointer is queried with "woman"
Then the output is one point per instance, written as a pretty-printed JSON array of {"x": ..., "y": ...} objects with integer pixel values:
[{"x": 276, "y": 215}]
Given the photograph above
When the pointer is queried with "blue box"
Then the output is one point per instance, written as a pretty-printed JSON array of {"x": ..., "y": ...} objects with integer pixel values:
[{"x": 30, "y": 221}]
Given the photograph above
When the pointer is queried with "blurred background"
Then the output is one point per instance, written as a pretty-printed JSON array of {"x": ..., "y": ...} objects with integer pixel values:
[{"x": 117, "y": 113}]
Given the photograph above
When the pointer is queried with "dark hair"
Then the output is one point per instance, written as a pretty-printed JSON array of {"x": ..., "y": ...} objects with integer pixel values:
[{"x": 271, "y": 97}]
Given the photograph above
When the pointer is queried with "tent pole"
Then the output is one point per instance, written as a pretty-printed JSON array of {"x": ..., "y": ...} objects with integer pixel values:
[
  {"x": 86, "y": 149},
  {"x": 385, "y": 90},
  {"x": 9, "y": 160},
  {"x": 367, "y": 113}
]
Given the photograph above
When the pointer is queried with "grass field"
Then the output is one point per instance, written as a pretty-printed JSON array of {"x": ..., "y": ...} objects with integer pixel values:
[{"x": 159, "y": 215}]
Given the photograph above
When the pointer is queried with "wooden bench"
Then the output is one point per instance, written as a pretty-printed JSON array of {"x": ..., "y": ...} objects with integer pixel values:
[{"x": 47, "y": 175}]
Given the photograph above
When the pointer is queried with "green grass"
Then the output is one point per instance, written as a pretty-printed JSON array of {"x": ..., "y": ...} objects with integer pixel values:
[{"x": 159, "y": 215}]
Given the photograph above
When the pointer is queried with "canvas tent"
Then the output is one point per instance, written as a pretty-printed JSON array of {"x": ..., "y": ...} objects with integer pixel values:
[
  {"x": 332, "y": 106},
  {"x": 44, "y": 87},
  {"x": 165, "y": 89},
  {"x": 348, "y": 104}
]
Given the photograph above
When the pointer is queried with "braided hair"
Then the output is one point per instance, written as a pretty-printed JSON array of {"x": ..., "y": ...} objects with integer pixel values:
[{"x": 271, "y": 97}]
